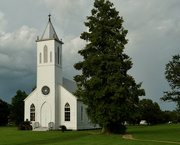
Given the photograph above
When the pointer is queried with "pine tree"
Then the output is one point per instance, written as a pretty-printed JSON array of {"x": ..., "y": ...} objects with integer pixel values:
[{"x": 104, "y": 86}]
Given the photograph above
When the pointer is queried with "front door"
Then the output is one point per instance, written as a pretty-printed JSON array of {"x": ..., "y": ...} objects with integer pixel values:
[{"x": 45, "y": 115}]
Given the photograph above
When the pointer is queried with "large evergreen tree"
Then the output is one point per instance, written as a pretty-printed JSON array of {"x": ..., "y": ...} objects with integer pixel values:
[{"x": 104, "y": 86}]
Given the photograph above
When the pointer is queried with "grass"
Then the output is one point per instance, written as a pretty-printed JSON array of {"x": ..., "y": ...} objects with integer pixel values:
[
  {"x": 168, "y": 132},
  {"x": 11, "y": 136}
]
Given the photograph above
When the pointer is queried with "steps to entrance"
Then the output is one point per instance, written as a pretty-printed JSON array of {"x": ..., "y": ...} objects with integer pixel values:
[{"x": 41, "y": 129}]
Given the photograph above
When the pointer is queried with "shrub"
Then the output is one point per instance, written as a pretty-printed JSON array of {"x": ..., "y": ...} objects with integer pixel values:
[
  {"x": 63, "y": 128},
  {"x": 25, "y": 125}
]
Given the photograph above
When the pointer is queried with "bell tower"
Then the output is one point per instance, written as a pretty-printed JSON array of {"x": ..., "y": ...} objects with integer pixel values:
[{"x": 49, "y": 73}]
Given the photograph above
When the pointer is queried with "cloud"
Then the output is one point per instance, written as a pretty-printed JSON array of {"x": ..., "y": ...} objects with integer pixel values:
[
  {"x": 12, "y": 40},
  {"x": 17, "y": 57},
  {"x": 153, "y": 36},
  {"x": 71, "y": 56},
  {"x": 68, "y": 11},
  {"x": 3, "y": 23},
  {"x": 69, "y": 15},
  {"x": 17, "y": 48}
]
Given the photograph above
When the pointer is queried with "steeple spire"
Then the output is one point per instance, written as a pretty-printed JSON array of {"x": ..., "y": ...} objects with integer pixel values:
[{"x": 49, "y": 32}]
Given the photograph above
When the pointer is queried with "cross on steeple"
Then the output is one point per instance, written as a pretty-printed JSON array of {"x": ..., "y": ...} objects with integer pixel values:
[{"x": 49, "y": 17}]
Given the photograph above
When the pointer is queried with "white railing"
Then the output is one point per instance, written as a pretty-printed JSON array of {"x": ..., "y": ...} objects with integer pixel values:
[
  {"x": 35, "y": 125},
  {"x": 51, "y": 125}
]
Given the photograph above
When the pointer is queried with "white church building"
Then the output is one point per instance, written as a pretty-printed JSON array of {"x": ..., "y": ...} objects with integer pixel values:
[{"x": 52, "y": 103}]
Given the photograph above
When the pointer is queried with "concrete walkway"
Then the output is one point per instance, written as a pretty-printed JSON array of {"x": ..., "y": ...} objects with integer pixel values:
[
  {"x": 41, "y": 129},
  {"x": 129, "y": 136}
]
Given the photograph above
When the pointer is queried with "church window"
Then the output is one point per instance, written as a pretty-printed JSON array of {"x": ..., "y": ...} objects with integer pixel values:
[
  {"x": 67, "y": 112},
  {"x": 32, "y": 113},
  {"x": 45, "y": 54},
  {"x": 82, "y": 117},
  {"x": 51, "y": 56},
  {"x": 40, "y": 58},
  {"x": 58, "y": 55},
  {"x": 60, "y": 60}
]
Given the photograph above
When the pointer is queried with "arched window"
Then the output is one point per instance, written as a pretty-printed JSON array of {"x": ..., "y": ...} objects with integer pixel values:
[
  {"x": 32, "y": 113},
  {"x": 45, "y": 54},
  {"x": 40, "y": 58},
  {"x": 67, "y": 112}
]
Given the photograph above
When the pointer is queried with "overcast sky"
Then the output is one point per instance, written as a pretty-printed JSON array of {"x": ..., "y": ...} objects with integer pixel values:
[{"x": 153, "y": 32}]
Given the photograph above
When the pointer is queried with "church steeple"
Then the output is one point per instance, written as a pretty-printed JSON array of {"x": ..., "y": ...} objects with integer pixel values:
[
  {"x": 49, "y": 32},
  {"x": 49, "y": 57}
]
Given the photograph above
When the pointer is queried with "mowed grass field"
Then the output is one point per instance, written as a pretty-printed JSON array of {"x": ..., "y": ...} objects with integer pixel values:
[{"x": 168, "y": 132}]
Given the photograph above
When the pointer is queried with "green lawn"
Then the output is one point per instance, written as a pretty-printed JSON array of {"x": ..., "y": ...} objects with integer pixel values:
[
  {"x": 168, "y": 132},
  {"x": 11, "y": 136}
]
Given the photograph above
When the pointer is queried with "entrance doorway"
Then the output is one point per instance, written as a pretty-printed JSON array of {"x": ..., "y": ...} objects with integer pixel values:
[{"x": 45, "y": 115}]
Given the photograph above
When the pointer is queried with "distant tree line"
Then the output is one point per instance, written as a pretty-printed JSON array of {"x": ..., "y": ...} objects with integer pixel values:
[{"x": 151, "y": 112}]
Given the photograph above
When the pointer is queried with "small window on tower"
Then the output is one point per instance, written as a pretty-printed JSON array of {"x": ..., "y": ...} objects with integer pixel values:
[
  {"x": 58, "y": 55},
  {"x": 51, "y": 56},
  {"x": 45, "y": 54},
  {"x": 40, "y": 58},
  {"x": 60, "y": 60}
]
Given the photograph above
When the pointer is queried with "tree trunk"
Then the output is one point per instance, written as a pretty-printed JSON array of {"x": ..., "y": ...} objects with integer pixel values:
[{"x": 103, "y": 131}]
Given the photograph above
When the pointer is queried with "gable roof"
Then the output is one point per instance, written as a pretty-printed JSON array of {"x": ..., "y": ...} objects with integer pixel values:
[
  {"x": 69, "y": 85},
  {"x": 31, "y": 94}
]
